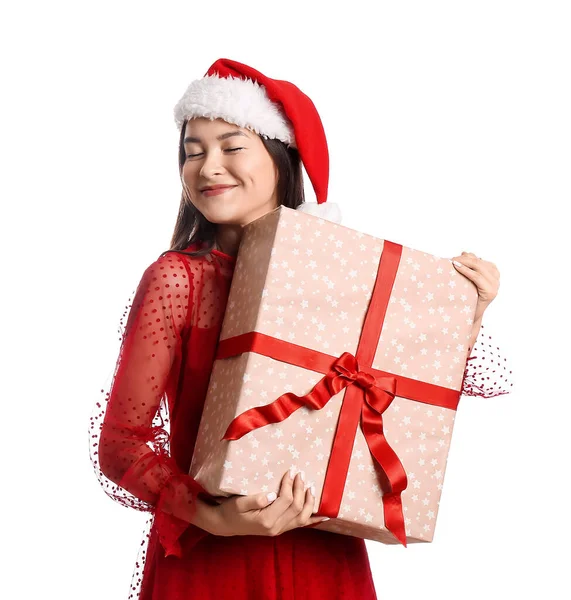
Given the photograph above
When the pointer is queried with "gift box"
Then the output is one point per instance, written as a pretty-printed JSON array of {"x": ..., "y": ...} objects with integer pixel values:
[{"x": 342, "y": 355}]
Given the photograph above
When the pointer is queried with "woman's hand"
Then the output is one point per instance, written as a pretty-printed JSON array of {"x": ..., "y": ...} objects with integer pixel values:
[
  {"x": 486, "y": 277},
  {"x": 256, "y": 515}
]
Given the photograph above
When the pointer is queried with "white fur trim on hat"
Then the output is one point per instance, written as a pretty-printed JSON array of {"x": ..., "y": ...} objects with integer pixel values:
[
  {"x": 240, "y": 101},
  {"x": 326, "y": 210}
]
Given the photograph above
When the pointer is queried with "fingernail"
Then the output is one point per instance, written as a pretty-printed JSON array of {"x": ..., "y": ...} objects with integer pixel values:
[
  {"x": 313, "y": 491},
  {"x": 271, "y": 496},
  {"x": 458, "y": 264},
  {"x": 291, "y": 473},
  {"x": 325, "y": 519},
  {"x": 302, "y": 474}
]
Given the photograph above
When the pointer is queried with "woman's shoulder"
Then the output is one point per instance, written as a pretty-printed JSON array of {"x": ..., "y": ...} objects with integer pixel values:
[
  {"x": 188, "y": 254},
  {"x": 181, "y": 256},
  {"x": 168, "y": 270},
  {"x": 170, "y": 262}
]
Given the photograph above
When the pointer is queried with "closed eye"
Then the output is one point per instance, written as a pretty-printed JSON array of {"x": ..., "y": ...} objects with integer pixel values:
[{"x": 227, "y": 150}]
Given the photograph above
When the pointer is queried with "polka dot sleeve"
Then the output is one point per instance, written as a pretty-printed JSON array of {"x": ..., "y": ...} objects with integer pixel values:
[
  {"x": 130, "y": 437},
  {"x": 487, "y": 372}
]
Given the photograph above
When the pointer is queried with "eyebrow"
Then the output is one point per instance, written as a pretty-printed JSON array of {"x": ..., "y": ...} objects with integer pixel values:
[{"x": 190, "y": 140}]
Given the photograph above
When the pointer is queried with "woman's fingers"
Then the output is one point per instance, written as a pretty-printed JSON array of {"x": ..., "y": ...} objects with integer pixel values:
[
  {"x": 272, "y": 505},
  {"x": 285, "y": 497},
  {"x": 296, "y": 506},
  {"x": 246, "y": 504},
  {"x": 308, "y": 507},
  {"x": 293, "y": 507},
  {"x": 483, "y": 274},
  {"x": 306, "y": 518},
  {"x": 487, "y": 263},
  {"x": 485, "y": 267}
]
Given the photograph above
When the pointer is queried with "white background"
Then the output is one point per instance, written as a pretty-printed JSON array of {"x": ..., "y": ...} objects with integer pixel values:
[{"x": 449, "y": 129}]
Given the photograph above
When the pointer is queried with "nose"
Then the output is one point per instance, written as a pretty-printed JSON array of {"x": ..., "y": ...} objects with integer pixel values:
[{"x": 212, "y": 165}]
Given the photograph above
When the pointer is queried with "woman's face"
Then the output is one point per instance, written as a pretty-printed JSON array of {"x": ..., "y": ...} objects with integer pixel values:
[{"x": 221, "y": 153}]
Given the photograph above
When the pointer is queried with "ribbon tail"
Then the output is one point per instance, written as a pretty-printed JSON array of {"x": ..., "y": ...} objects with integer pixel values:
[
  {"x": 284, "y": 406},
  {"x": 394, "y": 518},
  {"x": 372, "y": 424},
  {"x": 279, "y": 410}
]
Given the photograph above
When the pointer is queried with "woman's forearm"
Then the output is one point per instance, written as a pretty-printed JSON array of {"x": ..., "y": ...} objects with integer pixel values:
[{"x": 475, "y": 331}]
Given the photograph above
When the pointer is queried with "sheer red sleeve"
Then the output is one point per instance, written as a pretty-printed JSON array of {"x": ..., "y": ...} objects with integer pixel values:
[
  {"x": 487, "y": 372},
  {"x": 130, "y": 434}
]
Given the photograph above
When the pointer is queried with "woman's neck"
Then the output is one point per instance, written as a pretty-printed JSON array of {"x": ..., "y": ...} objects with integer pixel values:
[{"x": 228, "y": 239}]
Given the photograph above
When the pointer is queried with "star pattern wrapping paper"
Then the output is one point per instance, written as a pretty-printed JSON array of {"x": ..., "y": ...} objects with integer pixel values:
[{"x": 308, "y": 281}]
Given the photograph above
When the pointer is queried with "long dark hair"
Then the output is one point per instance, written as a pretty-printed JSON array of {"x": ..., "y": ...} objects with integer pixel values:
[{"x": 191, "y": 225}]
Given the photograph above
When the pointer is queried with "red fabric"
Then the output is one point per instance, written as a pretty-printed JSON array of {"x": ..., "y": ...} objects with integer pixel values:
[{"x": 142, "y": 436}]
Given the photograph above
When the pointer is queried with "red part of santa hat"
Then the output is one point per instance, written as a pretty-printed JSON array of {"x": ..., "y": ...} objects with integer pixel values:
[{"x": 272, "y": 108}]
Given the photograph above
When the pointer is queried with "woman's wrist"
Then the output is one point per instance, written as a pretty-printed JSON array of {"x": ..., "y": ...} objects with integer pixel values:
[
  {"x": 178, "y": 499},
  {"x": 207, "y": 517}
]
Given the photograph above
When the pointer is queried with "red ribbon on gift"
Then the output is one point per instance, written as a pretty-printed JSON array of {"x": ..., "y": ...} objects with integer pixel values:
[{"x": 369, "y": 393}]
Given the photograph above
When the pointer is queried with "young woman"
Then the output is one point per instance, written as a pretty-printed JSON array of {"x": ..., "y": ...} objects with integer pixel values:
[{"x": 243, "y": 140}]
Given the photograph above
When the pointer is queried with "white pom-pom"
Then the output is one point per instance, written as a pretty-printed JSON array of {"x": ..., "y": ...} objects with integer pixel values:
[{"x": 325, "y": 210}]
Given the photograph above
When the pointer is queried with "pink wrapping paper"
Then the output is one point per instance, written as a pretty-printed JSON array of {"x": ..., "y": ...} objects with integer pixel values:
[{"x": 309, "y": 281}]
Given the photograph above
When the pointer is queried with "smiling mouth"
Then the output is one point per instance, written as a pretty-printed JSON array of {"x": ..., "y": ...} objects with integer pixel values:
[{"x": 217, "y": 191}]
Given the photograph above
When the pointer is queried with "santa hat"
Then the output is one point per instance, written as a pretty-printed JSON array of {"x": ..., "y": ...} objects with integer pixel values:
[{"x": 272, "y": 108}]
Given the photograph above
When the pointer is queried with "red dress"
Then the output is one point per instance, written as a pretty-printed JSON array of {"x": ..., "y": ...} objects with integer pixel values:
[{"x": 143, "y": 435}]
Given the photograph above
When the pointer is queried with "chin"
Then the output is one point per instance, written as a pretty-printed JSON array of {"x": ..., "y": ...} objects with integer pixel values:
[
  {"x": 221, "y": 217},
  {"x": 234, "y": 214}
]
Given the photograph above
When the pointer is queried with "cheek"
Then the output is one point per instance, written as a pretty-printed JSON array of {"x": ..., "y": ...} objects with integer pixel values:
[
  {"x": 187, "y": 173},
  {"x": 262, "y": 175},
  {"x": 189, "y": 179}
]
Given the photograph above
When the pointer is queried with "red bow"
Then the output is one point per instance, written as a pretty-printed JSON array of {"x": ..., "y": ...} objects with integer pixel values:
[{"x": 378, "y": 393}]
